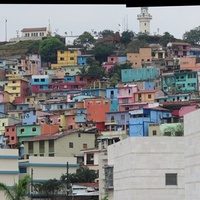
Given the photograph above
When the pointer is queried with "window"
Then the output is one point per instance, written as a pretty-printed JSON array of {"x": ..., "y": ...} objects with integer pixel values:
[
  {"x": 41, "y": 146},
  {"x": 109, "y": 176},
  {"x": 30, "y": 147},
  {"x": 154, "y": 132},
  {"x": 71, "y": 145},
  {"x": 171, "y": 179},
  {"x": 84, "y": 146},
  {"x": 51, "y": 145},
  {"x": 22, "y": 130},
  {"x": 122, "y": 117},
  {"x": 149, "y": 96},
  {"x": 34, "y": 129},
  {"x": 22, "y": 170},
  {"x": 90, "y": 159}
]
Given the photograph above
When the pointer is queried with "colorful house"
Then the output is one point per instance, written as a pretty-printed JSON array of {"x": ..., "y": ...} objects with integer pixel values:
[
  {"x": 141, "y": 59},
  {"x": 17, "y": 86},
  {"x": 66, "y": 58},
  {"x": 141, "y": 74},
  {"x": 183, "y": 81},
  {"x": 139, "y": 120},
  {"x": 112, "y": 94},
  {"x": 96, "y": 108},
  {"x": 64, "y": 144}
]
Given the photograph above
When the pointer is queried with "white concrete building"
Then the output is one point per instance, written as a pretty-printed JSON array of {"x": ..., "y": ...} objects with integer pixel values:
[
  {"x": 142, "y": 168},
  {"x": 192, "y": 155},
  {"x": 9, "y": 171}
]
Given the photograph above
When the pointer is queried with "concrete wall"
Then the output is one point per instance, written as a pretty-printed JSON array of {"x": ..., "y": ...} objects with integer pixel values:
[
  {"x": 192, "y": 155},
  {"x": 140, "y": 165}
]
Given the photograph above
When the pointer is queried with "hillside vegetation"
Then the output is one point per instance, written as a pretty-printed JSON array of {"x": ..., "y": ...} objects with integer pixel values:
[{"x": 16, "y": 49}]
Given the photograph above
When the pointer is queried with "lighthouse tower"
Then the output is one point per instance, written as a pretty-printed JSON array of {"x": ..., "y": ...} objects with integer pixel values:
[{"x": 144, "y": 18}]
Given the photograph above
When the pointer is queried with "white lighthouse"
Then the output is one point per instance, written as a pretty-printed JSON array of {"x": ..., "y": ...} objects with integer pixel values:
[{"x": 144, "y": 19}]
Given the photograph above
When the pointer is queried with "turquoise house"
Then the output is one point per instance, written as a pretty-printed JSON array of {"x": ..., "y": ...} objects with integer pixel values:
[
  {"x": 182, "y": 81},
  {"x": 139, "y": 74}
]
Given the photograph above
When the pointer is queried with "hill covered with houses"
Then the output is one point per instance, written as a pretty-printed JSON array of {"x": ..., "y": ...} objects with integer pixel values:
[{"x": 60, "y": 111}]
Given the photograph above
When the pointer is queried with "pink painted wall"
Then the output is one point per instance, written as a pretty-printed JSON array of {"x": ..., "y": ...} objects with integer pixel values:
[{"x": 107, "y": 66}]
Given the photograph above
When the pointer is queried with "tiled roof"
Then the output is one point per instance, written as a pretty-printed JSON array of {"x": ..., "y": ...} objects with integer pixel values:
[
  {"x": 52, "y": 136},
  {"x": 34, "y": 29}
]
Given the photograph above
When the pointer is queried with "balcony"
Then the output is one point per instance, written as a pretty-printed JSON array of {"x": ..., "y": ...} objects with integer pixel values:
[
  {"x": 113, "y": 134},
  {"x": 111, "y": 122}
]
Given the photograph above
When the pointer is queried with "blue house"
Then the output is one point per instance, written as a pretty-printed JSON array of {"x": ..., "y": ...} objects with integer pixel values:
[
  {"x": 117, "y": 120},
  {"x": 40, "y": 80},
  {"x": 80, "y": 117},
  {"x": 94, "y": 92},
  {"x": 139, "y": 120},
  {"x": 82, "y": 59},
  {"x": 28, "y": 115},
  {"x": 69, "y": 78},
  {"x": 173, "y": 98},
  {"x": 111, "y": 93},
  {"x": 195, "y": 52},
  {"x": 58, "y": 106}
]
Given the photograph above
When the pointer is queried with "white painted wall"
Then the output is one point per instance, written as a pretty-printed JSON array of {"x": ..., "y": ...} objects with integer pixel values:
[{"x": 140, "y": 164}]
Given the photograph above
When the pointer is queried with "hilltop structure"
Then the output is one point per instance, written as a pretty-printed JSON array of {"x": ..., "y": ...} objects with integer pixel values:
[{"x": 144, "y": 20}]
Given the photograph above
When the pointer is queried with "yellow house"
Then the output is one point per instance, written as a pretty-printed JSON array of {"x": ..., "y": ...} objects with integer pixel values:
[
  {"x": 141, "y": 59},
  {"x": 145, "y": 96},
  {"x": 66, "y": 58},
  {"x": 17, "y": 86}
]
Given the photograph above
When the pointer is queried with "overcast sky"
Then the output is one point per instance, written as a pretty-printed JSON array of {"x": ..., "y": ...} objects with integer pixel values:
[{"x": 76, "y": 18}]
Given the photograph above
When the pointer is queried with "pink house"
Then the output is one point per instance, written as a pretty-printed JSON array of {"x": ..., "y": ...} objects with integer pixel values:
[
  {"x": 126, "y": 94},
  {"x": 112, "y": 59},
  {"x": 108, "y": 65}
]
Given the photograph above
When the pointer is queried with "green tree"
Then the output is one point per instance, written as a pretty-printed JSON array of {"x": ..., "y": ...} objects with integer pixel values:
[
  {"x": 96, "y": 71},
  {"x": 34, "y": 47},
  {"x": 19, "y": 191},
  {"x": 127, "y": 37},
  {"x": 48, "y": 49},
  {"x": 90, "y": 61},
  {"x": 83, "y": 175},
  {"x": 106, "y": 33},
  {"x": 102, "y": 51},
  {"x": 177, "y": 130},
  {"x": 83, "y": 71},
  {"x": 85, "y": 38},
  {"x": 166, "y": 38},
  {"x": 192, "y": 36},
  {"x": 134, "y": 46}
]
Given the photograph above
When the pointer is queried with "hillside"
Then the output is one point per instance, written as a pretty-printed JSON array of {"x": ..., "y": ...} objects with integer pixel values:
[{"x": 16, "y": 49}]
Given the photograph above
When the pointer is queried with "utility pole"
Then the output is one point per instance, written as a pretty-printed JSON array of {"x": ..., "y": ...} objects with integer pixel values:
[
  {"x": 67, "y": 180},
  {"x": 6, "y": 30},
  {"x": 31, "y": 183}
]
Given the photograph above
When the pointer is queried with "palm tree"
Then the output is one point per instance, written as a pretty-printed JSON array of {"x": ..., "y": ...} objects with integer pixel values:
[{"x": 18, "y": 192}]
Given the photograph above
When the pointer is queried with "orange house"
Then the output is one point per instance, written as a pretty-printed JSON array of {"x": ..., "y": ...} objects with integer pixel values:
[
  {"x": 96, "y": 109},
  {"x": 11, "y": 135},
  {"x": 49, "y": 129}
]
